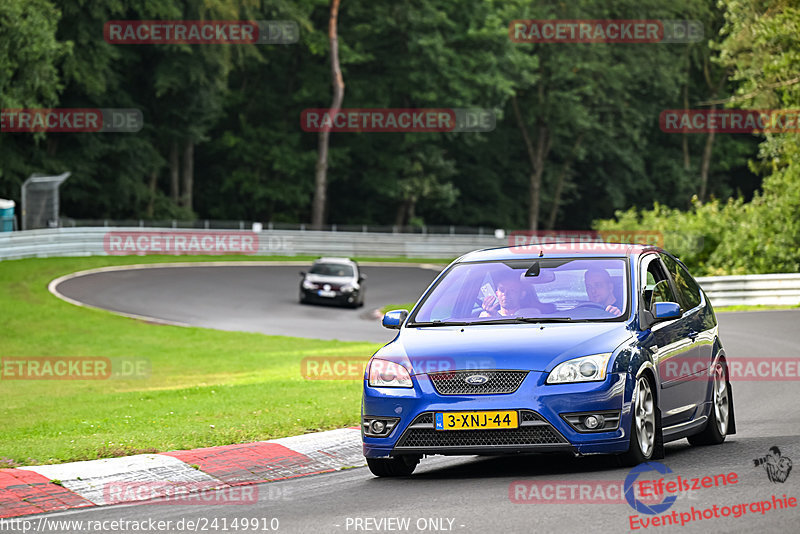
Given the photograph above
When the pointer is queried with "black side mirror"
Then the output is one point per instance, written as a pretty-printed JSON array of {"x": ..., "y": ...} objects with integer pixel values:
[{"x": 302, "y": 273}]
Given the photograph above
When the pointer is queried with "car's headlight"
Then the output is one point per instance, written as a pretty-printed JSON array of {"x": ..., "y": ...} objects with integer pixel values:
[
  {"x": 386, "y": 374},
  {"x": 584, "y": 369},
  {"x": 309, "y": 285},
  {"x": 348, "y": 288}
]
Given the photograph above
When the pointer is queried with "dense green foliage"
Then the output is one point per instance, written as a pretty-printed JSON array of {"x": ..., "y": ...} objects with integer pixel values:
[
  {"x": 222, "y": 136},
  {"x": 237, "y": 107},
  {"x": 762, "y": 51}
]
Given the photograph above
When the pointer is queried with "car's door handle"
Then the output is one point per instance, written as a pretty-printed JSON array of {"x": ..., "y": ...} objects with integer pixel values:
[{"x": 692, "y": 335}]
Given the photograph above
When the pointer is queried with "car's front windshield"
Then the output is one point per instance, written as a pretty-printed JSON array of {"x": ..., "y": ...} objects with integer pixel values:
[
  {"x": 556, "y": 290},
  {"x": 331, "y": 269}
]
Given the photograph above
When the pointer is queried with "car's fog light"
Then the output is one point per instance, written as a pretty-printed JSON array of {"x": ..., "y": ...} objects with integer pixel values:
[
  {"x": 591, "y": 422},
  {"x": 375, "y": 427}
]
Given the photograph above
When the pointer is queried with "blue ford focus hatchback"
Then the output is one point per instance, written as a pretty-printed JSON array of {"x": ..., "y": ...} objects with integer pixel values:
[{"x": 589, "y": 349}]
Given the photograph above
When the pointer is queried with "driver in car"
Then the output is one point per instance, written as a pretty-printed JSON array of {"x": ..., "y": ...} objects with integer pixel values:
[
  {"x": 510, "y": 294},
  {"x": 600, "y": 290}
]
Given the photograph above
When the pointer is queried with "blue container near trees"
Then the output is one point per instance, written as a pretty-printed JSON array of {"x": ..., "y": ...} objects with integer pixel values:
[{"x": 6, "y": 215}]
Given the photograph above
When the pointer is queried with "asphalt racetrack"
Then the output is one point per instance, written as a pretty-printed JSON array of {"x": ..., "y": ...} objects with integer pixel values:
[
  {"x": 463, "y": 494},
  {"x": 248, "y": 298}
]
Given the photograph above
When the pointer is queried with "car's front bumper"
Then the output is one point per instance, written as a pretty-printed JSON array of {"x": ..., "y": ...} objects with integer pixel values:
[
  {"x": 340, "y": 298},
  {"x": 541, "y": 409}
]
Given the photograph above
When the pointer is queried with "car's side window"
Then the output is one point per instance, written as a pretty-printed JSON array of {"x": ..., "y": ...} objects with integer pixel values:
[
  {"x": 685, "y": 284},
  {"x": 654, "y": 283}
]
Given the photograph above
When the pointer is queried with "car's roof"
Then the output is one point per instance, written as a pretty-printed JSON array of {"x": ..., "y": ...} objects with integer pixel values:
[
  {"x": 347, "y": 261},
  {"x": 559, "y": 250}
]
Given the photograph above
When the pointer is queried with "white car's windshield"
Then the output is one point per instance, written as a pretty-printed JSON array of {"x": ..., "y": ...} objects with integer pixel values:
[
  {"x": 522, "y": 290},
  {"x": 332, "y": 269}
]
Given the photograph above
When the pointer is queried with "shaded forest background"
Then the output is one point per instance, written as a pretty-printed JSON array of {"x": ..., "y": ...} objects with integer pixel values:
[{"x": 577, "y": 142}]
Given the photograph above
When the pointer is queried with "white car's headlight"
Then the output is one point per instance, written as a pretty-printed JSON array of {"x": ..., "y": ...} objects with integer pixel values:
[
  {"x": 386, "y": 374},
  {"x": 584, "y": 369},
  {"x": 309, "y": 285},
  {"x": 348, "y": 288}
]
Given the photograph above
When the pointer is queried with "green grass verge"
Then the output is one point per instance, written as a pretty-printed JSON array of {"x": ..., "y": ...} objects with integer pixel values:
[
  {"x": 206, "y": 387},
  {"x": 757, "y": 307},
  {"x": 390, "y": 307}
]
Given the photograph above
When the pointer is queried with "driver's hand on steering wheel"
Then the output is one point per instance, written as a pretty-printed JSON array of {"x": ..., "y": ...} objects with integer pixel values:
[
  {"x": 490, "y": 304},
  {"x": 613, "y": 310}
]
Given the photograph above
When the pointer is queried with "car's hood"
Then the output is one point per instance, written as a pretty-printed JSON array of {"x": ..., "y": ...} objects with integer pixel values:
[{"x": 518, "y": 346}]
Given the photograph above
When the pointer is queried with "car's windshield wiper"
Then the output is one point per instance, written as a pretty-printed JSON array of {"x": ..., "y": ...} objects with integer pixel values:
[
  {"x": 438, "y": 323},
  {"x": 515, "y": 320}
]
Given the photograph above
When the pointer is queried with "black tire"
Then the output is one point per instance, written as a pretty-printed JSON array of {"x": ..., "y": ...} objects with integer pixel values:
[
  {"x": 397, "y": 466},
  {"x": 635, "y": 455},
  {"x": 712, "y": 434}
]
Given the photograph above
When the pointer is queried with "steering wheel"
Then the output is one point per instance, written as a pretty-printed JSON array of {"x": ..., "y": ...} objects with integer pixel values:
[{"x": 591, "y": 305}]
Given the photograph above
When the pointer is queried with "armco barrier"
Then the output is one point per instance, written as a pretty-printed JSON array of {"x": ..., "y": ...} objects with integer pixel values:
[
  {"x": 89, "y": 241},
  {"x": 766, "y": 289}
]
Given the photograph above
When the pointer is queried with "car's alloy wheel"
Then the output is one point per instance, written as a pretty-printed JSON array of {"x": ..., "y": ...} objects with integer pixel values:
[
  {"x": 644, "y": 429},
  {"x": 721, "y": 405},
  {"x": 719, "y": 419},
  {"x": 645, "y": 417}
]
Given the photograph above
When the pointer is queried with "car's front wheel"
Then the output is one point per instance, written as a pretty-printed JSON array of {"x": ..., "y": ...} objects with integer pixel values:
[
  {"x": 397, "y": 466},
  {"x": 644, "y": 424},
  {"x": 717, "y": 426}
]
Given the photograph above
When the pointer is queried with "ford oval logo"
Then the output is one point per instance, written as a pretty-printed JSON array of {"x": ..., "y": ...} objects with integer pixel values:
[{"x": 476, "y": 380}]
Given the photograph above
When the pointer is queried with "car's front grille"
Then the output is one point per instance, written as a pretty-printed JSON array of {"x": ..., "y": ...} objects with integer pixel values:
[
  {"x": 533, "y": 430},
  {"x": 476, "y": 382}
]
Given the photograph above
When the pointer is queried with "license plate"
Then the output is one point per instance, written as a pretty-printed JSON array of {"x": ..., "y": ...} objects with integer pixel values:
[
  {"x": 323, "y": 293},
  {"x": 476, "y": 420}
]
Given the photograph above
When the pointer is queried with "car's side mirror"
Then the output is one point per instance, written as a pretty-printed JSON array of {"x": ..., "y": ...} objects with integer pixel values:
[
  {"x": 362, "y": 277},
  {"x": 302, "y": 273},
  {"x": 666, "y": 310},
  {"x": 394, "y": 319}
]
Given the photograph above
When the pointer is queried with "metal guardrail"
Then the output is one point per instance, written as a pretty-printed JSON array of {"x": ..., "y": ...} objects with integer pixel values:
[
  {"x": 752, "y": 289},
  {"x": 764, "y": 289},
  {"x": 83, "y": 241}
]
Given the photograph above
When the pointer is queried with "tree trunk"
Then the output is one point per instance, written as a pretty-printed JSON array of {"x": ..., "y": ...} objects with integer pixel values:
[
  {"x": 152, "y": 187},
  {"x": 405, "y": 211},
  {"x": 536, "y": 157},
  {"x": 174, "y": 173},
  {"x": 188, "y": 174},
  {"x": 686, "y": 160},
  {"x": 321, "y": 170},
  {"x": 562, "y": 177},
  {"x": 706, "y": 163}
]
